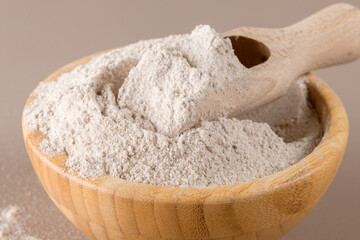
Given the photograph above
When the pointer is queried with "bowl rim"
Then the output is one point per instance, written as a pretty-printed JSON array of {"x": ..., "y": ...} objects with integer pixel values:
[{"x": 335, "y": 128}]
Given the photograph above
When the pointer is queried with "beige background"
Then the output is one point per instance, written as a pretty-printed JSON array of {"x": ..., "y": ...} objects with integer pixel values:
[{"x": 37, "y": 37}]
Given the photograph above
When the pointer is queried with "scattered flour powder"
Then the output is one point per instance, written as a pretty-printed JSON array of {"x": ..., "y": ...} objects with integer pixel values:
[
  {"x": 106, "y": 130},
  {"x": 10, "y": 228}
]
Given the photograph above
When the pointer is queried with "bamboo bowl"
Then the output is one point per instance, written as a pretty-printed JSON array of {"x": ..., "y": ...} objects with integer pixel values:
[{"x": 266, "y": 208}]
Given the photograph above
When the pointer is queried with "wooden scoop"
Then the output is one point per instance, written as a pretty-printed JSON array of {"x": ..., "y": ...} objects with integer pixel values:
[{"x": 276, "y": 57}]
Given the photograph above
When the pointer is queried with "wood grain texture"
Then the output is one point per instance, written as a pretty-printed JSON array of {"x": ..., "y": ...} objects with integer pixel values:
[{"x": 266, "y": 208}]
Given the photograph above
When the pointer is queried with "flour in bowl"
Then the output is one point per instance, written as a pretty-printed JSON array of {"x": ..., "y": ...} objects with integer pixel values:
[{"x": 105, "y": 130}]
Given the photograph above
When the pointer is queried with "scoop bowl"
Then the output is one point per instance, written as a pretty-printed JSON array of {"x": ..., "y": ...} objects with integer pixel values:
[{"x": 266, "y": 208}]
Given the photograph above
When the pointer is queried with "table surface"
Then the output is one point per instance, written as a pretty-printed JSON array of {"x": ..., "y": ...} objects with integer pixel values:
[{"x": 37, "y": 37}]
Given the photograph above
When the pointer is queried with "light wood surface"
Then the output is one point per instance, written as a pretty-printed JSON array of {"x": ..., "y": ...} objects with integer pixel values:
[
  {"x": 266, "y": 208},
  {"x": 276, "y": 57}
]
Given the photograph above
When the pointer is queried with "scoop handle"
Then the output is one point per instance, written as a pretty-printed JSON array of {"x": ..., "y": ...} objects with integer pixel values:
[{"x": 328, "y": 37}]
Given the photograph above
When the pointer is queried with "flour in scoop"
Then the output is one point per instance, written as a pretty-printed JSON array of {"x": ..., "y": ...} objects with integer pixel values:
[{"x": 105, "y": 129}]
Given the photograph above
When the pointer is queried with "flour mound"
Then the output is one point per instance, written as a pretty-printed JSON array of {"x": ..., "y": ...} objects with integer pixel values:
[
  {"x": 176, "y": 78},
  {"x": 105, "y": 129}
]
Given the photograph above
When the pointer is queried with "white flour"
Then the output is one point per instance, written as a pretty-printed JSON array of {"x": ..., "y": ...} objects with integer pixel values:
[
  {"x": 178, "y": 76},
  {"x": 10, "y": 228},
  {"x": 105, "y": 130}
]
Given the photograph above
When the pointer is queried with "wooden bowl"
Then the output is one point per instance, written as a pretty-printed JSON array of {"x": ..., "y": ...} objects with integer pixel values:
[{"x": 266, "y": 208}]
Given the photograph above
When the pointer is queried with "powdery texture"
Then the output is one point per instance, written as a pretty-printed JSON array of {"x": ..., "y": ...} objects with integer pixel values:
[
  {"x": 80, "y": 116},
  {"x": 166, "y": 83},
  {"x": 10, "y": 228}
]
